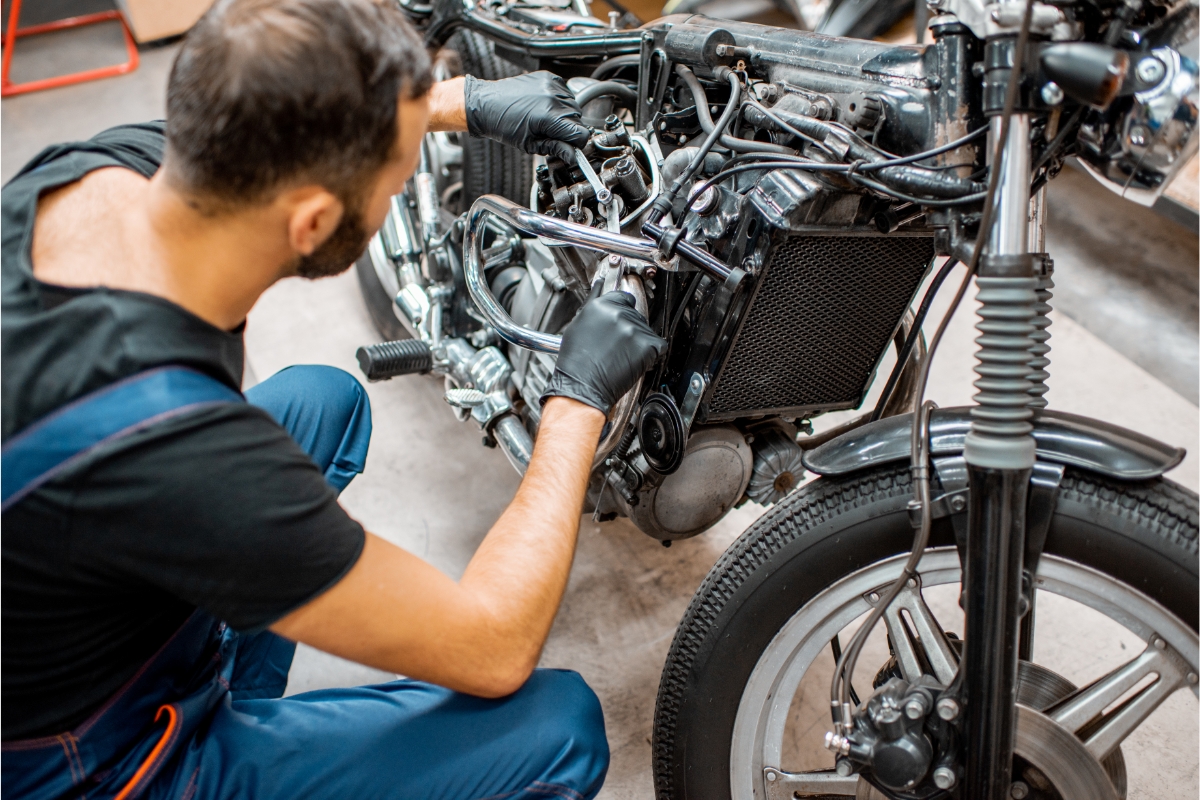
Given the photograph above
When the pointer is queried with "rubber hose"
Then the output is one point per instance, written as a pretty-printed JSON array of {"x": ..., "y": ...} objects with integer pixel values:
[
  {"x": 615, "y": 63},
  {"x": 622, "y": 92},
  {"x": 707, "y": 124}
]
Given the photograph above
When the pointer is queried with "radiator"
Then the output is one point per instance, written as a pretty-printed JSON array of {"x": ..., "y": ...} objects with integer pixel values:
[{"x": 823, "y": 311}]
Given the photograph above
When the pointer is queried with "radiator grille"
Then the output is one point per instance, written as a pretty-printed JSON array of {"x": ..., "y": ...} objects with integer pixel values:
[{"x": 825, "y": 309}]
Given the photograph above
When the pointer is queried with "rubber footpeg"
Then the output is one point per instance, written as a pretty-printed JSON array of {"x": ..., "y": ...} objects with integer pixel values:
[{"x": 389, "y": 359}]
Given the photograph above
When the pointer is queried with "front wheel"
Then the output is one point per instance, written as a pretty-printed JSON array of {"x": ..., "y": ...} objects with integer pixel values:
[{"x": 744, "y": 696}]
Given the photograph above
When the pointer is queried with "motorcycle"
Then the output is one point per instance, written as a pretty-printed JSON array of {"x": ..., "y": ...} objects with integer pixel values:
[{"x": 774, "y": 200}]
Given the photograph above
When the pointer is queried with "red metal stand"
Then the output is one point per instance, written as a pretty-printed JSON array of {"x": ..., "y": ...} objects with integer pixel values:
[{"x": 8, "y": 88}]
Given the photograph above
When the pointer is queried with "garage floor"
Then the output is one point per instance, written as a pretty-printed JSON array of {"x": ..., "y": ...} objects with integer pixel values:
[{"x": 1125, "y": 350}]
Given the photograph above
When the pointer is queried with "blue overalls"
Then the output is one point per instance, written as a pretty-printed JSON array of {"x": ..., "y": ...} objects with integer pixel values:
[{"x": 205, "y": 717}]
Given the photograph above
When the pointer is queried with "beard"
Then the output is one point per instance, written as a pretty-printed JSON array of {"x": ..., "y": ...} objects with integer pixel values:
[{"x": 337, "y": 253}]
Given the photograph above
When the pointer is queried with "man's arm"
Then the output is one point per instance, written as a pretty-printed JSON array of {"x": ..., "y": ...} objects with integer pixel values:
[
  {"x": 482, "y": 635},
  {"x": 535, "y": 112},
  {"x": 447, "y": 106}
]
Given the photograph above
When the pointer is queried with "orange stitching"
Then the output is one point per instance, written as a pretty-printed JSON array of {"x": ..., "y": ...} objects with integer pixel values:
[{"x": 126, "y": 792}]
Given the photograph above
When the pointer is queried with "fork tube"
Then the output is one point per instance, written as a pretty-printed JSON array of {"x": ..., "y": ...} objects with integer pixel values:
[{"x": 1000, "y": 455}]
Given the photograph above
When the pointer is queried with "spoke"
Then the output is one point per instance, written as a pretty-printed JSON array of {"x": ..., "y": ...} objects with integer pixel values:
[
  {"x": 932, "y": 640},
  {"x": 1080, "y": 713},
  {"x": 788, "y": 785}
]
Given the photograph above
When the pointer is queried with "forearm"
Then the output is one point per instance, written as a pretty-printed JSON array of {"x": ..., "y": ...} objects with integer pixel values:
[
  {"x": 520, "y": 570},
  {"x": 447, "y": 106},
  {"x": 483, "y": 634}
]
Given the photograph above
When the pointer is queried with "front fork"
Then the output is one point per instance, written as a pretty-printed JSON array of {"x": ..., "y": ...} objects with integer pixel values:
[{"x": 1000, "y": 458}]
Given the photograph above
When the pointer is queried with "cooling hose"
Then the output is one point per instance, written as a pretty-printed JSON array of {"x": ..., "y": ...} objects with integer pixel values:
[
  {"x": 624, "y": 93},
  {"x": 706, "y": 120},
  {"x": 916, "y": 180}
]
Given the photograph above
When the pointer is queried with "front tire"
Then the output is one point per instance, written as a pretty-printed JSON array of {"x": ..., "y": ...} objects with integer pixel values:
[{"x": 1144, "y": 535}]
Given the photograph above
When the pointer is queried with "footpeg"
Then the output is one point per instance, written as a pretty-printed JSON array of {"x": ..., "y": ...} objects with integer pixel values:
[{"x": 389, "y": 359}]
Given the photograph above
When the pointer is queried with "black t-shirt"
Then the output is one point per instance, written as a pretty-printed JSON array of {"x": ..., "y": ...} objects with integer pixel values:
[{"x": 218, "y": 509}]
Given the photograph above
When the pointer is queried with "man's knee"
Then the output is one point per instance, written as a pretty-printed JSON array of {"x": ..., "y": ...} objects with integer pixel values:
[
  {"x": 569, "y": 730},
  {"x": 327, "y": 412}
]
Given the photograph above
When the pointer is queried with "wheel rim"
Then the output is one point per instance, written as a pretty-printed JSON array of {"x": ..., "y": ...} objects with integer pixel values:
[{"x": 763, "y": 712}]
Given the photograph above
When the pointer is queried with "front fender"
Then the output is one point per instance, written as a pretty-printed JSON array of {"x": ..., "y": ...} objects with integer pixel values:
[{"x": 1062, "y": 438}]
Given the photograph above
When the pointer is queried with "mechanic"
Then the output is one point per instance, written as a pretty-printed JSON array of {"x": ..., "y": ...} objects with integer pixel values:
[{"x": 167, "y": 540}]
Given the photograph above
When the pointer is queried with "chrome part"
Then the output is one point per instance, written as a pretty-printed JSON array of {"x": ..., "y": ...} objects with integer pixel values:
[
  {"x": 464, "y": 398},
  {"x": 515, "y": 441},
  {"x": 944, "y": 778},
  {"x": 1150, "y": 143},
  {"x": 603, "y": 195},
  {"x": 765, "y": 709},
  {"x": 534, "y": 224},
  {"x": 947, "y": 709},
  {"x": 1052, "y": 94},
  {"x": 653, "y": 160},
  {"x": 1010, "y": 227}
]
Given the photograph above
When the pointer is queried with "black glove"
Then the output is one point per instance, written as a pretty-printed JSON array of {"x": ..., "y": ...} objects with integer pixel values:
[
  {"x": 535, "y": 112},
  {"x": 605, "y": 349}
]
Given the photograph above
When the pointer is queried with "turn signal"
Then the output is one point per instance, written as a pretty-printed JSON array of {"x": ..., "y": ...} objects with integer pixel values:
[{"x": 1089, "y": 73}]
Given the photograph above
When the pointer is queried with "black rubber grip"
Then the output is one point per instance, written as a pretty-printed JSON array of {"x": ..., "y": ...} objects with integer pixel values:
[{"x": 389, "y": 359}]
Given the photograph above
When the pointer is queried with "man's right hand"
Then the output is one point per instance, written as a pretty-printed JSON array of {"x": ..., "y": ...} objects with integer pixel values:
[{"x": 605, "y": 349}]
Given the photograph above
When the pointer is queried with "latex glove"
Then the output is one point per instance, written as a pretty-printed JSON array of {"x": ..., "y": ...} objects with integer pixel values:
[
  {"x": 605, "y": 349},
  {"x": 535, "y": 112}
]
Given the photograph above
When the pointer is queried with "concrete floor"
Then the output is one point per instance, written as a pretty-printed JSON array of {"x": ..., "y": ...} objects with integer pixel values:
[{"x": 431, "y": 488}]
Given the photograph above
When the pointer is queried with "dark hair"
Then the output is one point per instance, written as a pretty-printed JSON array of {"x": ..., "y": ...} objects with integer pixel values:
[{"x": 267, "y": 92}]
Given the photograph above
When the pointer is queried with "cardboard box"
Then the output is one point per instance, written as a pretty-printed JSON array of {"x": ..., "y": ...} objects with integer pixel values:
[{"x": 158, "y": 19}]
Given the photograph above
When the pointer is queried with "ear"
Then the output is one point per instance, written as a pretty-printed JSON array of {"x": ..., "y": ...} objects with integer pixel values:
[{"x": 313, "y": 216}]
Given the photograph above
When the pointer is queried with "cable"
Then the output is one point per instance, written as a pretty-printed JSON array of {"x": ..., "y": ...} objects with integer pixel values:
[
  {"x": 616, "y": 62},
  {"x": 937, "y": 151},
  {"x": 914, "y": 334},
  {"x": 839, "y": 699},
  {"x": 664, "y": 202},
  {"x": 706, "y": 124}
]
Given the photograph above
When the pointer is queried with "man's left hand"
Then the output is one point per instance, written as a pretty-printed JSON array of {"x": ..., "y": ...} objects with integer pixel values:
[{"x": 535, "y": 112}]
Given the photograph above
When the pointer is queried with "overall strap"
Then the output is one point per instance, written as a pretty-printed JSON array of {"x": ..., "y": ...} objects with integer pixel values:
[{"x": 68, "y": 434}]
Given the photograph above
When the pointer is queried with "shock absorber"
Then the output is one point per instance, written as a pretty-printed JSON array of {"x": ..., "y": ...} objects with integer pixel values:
[
  {"x": 1000, "y": 453},
  {"x": 1040, "y": 351}
]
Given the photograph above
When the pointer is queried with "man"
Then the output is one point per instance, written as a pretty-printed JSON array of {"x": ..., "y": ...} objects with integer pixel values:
[{"x": 155, "y": 578}]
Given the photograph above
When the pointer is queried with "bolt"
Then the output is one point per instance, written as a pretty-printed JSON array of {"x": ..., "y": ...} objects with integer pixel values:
[
  {"x": 1052, "y": 94},
  {"x": 614, "y": 260},
  {"x": 1019, "y": 790},
  {"x": 844, "y": 768},
  {"x": 613, "y": 18},
  {"x": 911, "y": 583},
  {"x": 1159, "y": 644},
  {"x": 958, "y": 503},
  {"x": 662, "y": 126},
  {"x": 915, "y": 708},
  {"x": 683, "y": 138},
  {"x": 604, "y": 196},
  {"x": 772, "y": 775},
  {"x": 647, "y": 37},
  {"x": 944, "y": 778},
  {"x": 873, "y": 598},
  {"x": 1191, "y": 678},
  {"x": 1137, "y": 136},
  {"x": 947, "y": 708},
  {"x": 838, "y": 744},
  {"x": 1150, "y": 70}
]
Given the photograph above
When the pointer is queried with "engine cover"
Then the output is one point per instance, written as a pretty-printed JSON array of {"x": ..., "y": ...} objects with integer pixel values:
[{"x": 716, "y": 466}]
